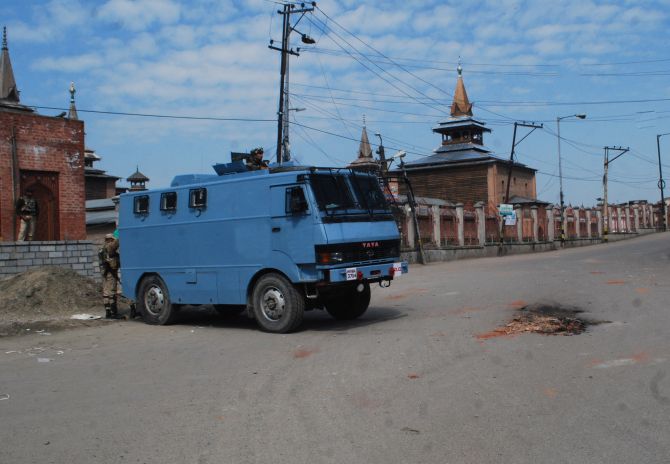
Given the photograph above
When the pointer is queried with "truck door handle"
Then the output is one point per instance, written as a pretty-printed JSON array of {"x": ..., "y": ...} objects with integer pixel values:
[{"x": 276, "y": 229}]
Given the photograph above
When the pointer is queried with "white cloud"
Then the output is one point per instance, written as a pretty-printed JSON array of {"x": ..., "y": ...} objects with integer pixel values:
[
  {"x": 139, "y": 14},
  {"x": 53, "y": 21},
  {"x": 69, "y": 63}
]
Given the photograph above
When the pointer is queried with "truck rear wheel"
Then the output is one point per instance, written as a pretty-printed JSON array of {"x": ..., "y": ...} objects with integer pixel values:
[
  {"x": 277, "y": 305},
  {"x": 350, "y": 304},
  {"x": 153, "y": 302}
]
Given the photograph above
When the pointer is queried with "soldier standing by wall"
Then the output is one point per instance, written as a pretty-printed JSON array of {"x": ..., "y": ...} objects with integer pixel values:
[
  {"x": 109, "y": 266},
  {"x": 27, "y": 211}
]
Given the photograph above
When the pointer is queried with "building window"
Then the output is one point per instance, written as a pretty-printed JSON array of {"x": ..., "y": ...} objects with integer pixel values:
[
  {"x": 141, "y": 204},
  {"x": 197, "y": 198},
  {"x": 169, "y": 201}
]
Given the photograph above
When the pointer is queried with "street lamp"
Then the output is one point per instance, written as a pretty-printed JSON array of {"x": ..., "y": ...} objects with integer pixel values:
[
  {"x": 560, "y": 168},
  {"x": 661, "y": 182}
]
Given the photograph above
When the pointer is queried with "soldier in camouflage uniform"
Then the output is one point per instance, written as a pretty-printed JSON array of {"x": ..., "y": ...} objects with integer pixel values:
[
  {"x": 255, "y": 161},
  {"x": 109, "y": 266},
  {"x": 27, "y": 210}
]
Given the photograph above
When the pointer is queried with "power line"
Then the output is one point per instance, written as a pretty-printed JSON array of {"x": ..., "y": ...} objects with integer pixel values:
[
  {"x": 395, "y": 61},
  {"x": 363, "y": 64},
  {"x": 153, "y": 115},
  {"x": 402, "y": 68}
]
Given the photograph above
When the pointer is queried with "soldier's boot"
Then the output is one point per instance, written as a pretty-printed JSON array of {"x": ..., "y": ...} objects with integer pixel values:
[
  {"x": 108, "y": 311},
  {"x": 115, "y": 311}
]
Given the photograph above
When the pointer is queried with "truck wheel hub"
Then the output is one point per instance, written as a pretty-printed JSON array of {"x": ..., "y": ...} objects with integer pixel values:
[{"x": 273, "y": 304}]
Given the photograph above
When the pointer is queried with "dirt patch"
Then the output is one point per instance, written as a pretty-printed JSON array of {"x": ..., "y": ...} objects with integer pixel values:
[
  {"x": 301, "y": 353},
  {"x": 45, "y": 298},
  {"x": 546, "y": 319}
]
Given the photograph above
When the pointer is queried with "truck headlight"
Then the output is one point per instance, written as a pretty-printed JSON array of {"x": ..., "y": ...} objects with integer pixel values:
[{"x": 330, "y": 257}]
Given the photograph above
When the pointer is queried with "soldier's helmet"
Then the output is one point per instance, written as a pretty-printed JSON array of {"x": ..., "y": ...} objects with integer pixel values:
[
  {"x": 257, "y": 151},
  {"x": 109, "y": 237}
]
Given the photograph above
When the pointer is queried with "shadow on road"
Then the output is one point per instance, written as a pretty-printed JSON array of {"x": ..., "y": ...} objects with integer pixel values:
[{"x": 316, "y": 320}]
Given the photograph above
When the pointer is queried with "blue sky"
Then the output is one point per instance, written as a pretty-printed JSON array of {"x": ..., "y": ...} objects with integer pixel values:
[{"x": 392, "y": 61}]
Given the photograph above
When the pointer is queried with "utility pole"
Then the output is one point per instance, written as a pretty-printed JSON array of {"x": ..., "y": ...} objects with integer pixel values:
[
  {"x": 382, "y": 157},
  {"x": 560, "y": 169},
  {"x": 282, "y": 113},
  {"x": 661, "y": 182},
  {"x": 531, "y": 125},
  {"x": 412, "y": 206},
  {"x": 606, "y": 208}
]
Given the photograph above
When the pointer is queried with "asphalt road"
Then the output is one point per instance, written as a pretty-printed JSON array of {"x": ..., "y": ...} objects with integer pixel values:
[{"x": 410, "y": 382}]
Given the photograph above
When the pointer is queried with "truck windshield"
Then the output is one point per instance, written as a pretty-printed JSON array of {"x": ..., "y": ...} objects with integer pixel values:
[{"x": 339, "y": 192}]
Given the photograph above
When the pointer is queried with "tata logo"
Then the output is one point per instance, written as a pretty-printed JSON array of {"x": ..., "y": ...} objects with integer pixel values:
[{"x": 370, "y": 244}]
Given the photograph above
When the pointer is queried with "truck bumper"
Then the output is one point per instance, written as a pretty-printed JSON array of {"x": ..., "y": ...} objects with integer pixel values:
[{"x": 370, "y": 272}]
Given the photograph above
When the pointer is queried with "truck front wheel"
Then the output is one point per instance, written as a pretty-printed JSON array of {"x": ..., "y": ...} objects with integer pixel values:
[
  {"x": 277, "y": 305},
  {"x": 349, "y": 304},
  {"x": 153, "y": 302}
]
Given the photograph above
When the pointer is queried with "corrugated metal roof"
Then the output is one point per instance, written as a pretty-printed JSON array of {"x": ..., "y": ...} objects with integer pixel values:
[
  {"x": 104, "y": 203},
  {"x": 100, "y": 217},
  {"x": 451, "y": 157}
]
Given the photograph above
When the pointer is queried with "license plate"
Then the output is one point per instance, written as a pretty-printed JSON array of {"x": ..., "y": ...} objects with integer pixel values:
[
  {"x": 397, "y": 269},
  {"x": 351, "y": 273}
]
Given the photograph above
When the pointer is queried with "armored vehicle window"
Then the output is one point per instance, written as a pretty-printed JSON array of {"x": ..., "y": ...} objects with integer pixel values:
[
  {"x": 141, "y": 204},
  {"x": 197, "y": 198},
  {"x": 369, "y": 193},
  {"x": 295, "y": 200},
  {"x": 332, "y": 192},
  {"x": 169, "y": 201}
]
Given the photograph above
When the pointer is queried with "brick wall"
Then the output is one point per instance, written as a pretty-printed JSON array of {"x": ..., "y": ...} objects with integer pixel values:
[
  {"x": 522, "y": 183},
  {"x": 466, "y": 185},
  {"x": 47, "y": 148},
  {"x": 98, "y": 188},
  {"x": 79, "y": 255}
]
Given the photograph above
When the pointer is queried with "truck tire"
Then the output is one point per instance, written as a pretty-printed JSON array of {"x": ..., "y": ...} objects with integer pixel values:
[
  {"x": 349, "y": 305},
  {"x": 278, "y": 306},
  {"x": 153, "y": 302}
]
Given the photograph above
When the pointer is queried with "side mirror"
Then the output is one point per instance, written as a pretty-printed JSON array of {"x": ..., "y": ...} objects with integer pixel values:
[{"x": 296, "y": 203}]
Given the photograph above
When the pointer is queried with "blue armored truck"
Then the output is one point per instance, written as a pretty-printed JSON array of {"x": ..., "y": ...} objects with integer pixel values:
[{"x": 274, "y": 242}]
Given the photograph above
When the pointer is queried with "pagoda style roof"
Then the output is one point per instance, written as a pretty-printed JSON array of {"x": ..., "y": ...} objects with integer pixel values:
[
  {"x": 90, "y": 154},
  {"x": 137, "y": 176},
  {"x": 460, "y": 158},
  {"x": 461, "y": 122}
]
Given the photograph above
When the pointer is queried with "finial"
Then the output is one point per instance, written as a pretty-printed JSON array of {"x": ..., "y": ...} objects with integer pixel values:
[
  {"x": 459, "y": 68},
  {"x": 4, "y": 37},
  {"x": 72, "y": 92},
  {"x": 363, "y": 120}
]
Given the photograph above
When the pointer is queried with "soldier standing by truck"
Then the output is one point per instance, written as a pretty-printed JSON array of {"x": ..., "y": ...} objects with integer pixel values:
[{"x": 109, "y": 266}]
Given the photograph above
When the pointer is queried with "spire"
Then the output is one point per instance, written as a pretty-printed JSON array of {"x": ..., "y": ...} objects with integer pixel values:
[
  {"x": 8, "y": 90},
  {"x": 72, "y": 114},
  {"x": 461, "y": 106},
  {"x": 364, "y": 149}
]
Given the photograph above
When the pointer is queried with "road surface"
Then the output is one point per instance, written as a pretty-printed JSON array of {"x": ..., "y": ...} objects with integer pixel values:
[{"x": 412, "y": 381}]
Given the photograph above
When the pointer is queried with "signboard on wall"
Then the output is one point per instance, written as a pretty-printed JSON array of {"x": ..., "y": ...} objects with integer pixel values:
[{"x": 506, "y": 209}]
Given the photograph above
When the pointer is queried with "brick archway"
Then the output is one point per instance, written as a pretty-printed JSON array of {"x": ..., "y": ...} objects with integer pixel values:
[{"x": 45, "y": 190}]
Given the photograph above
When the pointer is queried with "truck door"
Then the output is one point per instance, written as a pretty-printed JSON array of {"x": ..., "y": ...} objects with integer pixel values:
[{"x": 292, "y": 221}]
